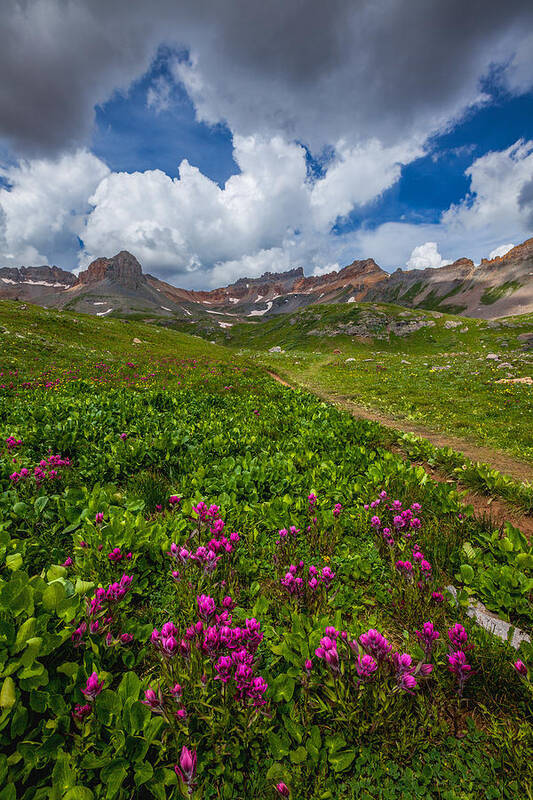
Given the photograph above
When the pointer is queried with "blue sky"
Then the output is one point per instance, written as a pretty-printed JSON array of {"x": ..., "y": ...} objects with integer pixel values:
[
  {"x": 215, "y": 143},
  {"x": 131, "y": 136}
]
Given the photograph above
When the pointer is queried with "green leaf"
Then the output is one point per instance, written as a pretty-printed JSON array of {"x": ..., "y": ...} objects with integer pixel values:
[
  {"x": 7, "y": 693},
  {"x": 299, "y": 755},
  {"x": 14, "y": 561},
  {"x": 143, "y": 773},
  {"x": 278, "y": 749},
  {"x": 467, "y": 573},
  {"x": 335, "y": 743},
  {"x": 129, "y": 686},
  {"x": 112, "y": 776},
  {"x": 83, "y": 587},
  {"x": 524, "y": 561},
  {"x": 79, "y": 793},
  {"x": 53, "y": 595},
  {"x": 341, "y": 760},
  {"x": 21, "y": 509},
  {"x": 283, "y": 688},
  {"x": 25, "y": 632},
  {"x": 56, "y": 571},
  {"x": 63, "y": 775},
  {"x": 107, "y": 703},
  {"x": 315, "y": 736}
]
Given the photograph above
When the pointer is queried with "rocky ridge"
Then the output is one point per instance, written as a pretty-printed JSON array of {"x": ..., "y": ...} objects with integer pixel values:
[{"x": 498, "y": 287}]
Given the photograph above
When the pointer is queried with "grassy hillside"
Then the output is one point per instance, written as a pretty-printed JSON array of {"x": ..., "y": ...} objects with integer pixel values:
[
  {"x": 438, "y": 375},
  {"x": 33, "y": 338},
  {"x": 193, "y": 556},
  {"x": 136, "y": 622}
]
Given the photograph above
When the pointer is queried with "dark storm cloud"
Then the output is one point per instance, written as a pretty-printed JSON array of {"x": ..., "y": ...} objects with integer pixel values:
[
  {"x": 525, "y": 201},
  {"x": 315, "y": 70}
]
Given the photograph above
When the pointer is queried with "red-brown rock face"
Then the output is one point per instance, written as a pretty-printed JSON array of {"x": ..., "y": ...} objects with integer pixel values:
[{"x": 123, "y": 269}]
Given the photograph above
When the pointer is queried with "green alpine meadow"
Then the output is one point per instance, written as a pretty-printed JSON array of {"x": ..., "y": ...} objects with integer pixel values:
[
  {"x": 266, "y": 400},
  {"x": 216, "y": 586}
]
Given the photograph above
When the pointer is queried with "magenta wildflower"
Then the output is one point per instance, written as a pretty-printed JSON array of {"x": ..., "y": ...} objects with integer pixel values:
[
  {"x": 404, "y": 568},
  {"x": 80, "y": 712},
  {"x": 403, "y": 662},
  {"x": 154, "y": 700},
  {"x": 67, "y": 562},
  {"x": 99, "y": 517},
  {"x": 458, "y": 665},
  {"x": 375, "y": 643},
  {"x": 337, "y": 510},
  {"x": 223, "y": 668},
  {"x": 78, "y": 634},
  {"x": 93, "y": 687},
  {"x": 282, "y": 789},
  {"x": 458, "y": 636},
  {"x": 427, "y": 637},
  {"x": 425, "y": 568},
  {"x": 407, "y": 682},
  {"x": 187, "y": 767},
  {"x": 520, "y": 667},
  {"x": 437, "y": 597},
  {"x": 365, "y": 666},
  {"x": 327, "y": 575},
  {"x": 206, "y": 606},
  {"x": 256, "y": 691}
]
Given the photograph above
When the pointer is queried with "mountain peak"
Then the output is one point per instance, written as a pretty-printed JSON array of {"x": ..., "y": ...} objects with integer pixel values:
[{"x": 122, "y": 269}]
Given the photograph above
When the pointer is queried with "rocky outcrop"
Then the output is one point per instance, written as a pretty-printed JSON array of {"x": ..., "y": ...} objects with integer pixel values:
[
  {"x": 38, "y": 276},
  {"x": 122, "y": 269}
]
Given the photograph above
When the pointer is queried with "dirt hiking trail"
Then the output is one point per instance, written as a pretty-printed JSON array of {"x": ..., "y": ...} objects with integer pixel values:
[{"x": 492, "y": 508}]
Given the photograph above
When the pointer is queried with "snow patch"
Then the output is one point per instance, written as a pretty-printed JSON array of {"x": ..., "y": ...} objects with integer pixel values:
[
  {"x": 260, "y": 313},
  {"x": 165, "y": 308},
  {"x": 226, "y": 324},
  {"x": 36, "y": 283},
  {"x": 233, "y": 299},
  {"x": 350, "y": 300},
  {"x": 103, "y": 313},
  {"x": 45, "y": 283}
]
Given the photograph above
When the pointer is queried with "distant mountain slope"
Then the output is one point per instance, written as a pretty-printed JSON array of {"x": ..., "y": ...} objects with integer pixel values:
[{"x": 499, "y": 287}]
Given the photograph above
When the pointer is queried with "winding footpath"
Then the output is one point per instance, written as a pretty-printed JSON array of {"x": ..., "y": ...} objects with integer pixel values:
[{"x": 492, "y": 508}]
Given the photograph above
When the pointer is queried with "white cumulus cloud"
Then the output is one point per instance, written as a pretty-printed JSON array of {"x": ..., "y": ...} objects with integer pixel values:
[
  {"x": 426, "y": 255},
  {"x": 357, "y": 176},
  {"x": 500, "y": 251},
  {"x": 43, "y": 209}
]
